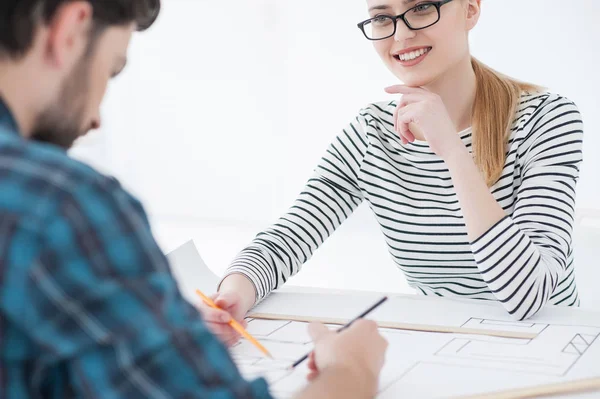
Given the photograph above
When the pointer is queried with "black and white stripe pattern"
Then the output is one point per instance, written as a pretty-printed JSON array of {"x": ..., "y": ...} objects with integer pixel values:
[{"x": 525, "y": 261}]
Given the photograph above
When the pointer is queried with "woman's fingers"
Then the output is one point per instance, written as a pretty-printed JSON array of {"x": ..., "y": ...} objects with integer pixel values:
[
  {"x": 404, "y": 119},
  {"x": 403, "y": 89},
  {"x": 396, "y": 111},
  {"x": 222, "y": 330},
  {"x": 225, "y": 333},
  {"x": 227, "y": 300},
  {"x": 404, "y": 107},
  {"x": 214, "y": 315},
  {"x": 408, "y": 99}
]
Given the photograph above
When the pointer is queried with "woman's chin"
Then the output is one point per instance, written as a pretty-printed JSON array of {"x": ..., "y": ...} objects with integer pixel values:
[
  {"x": 415, "y": 80},
  {"x": 414, "y": 77}
]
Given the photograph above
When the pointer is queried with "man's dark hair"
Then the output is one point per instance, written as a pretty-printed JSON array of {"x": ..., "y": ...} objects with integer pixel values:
[{"x": 19, "y": 18}]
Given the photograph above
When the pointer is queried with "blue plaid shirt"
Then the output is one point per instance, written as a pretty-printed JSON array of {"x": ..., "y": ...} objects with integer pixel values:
[{"x": 88, "y": 306}]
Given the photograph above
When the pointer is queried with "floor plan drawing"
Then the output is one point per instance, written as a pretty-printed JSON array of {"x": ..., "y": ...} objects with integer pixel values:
[{"x": 461, "y": 364}]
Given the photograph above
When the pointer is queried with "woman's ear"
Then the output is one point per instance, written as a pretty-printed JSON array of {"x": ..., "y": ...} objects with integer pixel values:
[{"x": 473, "y": 10}]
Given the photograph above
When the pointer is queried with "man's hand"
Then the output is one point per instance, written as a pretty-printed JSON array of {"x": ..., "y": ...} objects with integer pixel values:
[{"x": 358, "y": 351}]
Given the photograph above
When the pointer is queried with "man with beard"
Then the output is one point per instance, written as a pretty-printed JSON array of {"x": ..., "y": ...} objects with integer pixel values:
[{"x": 88, "y": 307}]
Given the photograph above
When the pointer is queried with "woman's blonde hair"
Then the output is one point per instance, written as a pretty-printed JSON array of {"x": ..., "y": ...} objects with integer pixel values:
[{"x": 496, "y": 100}]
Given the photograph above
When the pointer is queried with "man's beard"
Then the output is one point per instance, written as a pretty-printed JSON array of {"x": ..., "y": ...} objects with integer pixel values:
[{"x": 62, "y": 123}]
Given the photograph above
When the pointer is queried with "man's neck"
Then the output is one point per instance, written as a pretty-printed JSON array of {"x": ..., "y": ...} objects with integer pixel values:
[
  {"x": 16, "y": 87},
  {"x": 457, "y": 89}
]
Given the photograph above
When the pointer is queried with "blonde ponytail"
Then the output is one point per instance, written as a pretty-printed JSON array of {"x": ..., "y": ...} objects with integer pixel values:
[{"x": 496, "y": 100}]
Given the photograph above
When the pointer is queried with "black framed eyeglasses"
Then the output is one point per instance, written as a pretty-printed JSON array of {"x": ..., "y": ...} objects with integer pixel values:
[{"x": 421, "y": 16}]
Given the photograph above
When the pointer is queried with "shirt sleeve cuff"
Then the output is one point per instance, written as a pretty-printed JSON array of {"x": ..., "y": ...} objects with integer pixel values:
[{"x": 260, "y": 389}]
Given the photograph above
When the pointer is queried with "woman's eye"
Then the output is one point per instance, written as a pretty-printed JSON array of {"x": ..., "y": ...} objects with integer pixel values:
[
  {"x": 382, "y": 20},
  {"x": 423, "y": 8}
]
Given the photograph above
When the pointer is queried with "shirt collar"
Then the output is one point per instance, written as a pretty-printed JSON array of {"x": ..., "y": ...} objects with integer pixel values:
[{"x": 7, "y": 119}]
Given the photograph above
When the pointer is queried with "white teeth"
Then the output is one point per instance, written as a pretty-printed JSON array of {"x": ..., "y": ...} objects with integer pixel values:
[{"x": 412, "y": 55}]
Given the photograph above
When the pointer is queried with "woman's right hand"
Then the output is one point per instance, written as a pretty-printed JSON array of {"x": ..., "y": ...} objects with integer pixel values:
[{"x": 235, "y": 298}]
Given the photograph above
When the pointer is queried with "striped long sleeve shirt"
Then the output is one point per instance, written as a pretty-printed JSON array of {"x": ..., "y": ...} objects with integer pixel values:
[{"x": 524, "y": 261}]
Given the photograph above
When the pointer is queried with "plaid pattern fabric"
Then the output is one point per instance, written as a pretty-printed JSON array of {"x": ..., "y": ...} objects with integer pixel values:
[{"x": 88, "y": 306}]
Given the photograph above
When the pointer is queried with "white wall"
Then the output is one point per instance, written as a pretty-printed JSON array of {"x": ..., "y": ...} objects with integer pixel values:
[
  {"x": 226, "y": 107},
  {"x": 557, "y": 49}
]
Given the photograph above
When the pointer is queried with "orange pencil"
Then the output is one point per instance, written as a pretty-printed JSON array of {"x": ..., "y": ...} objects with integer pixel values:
[{"x": 235, "y": 325}]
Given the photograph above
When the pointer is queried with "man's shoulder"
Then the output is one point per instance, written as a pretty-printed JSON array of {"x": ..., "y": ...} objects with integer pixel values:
[{"x": 37, "y": 179}]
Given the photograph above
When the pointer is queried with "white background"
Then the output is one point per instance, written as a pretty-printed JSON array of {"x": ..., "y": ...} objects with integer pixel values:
[{"x": 226, "y": 107}]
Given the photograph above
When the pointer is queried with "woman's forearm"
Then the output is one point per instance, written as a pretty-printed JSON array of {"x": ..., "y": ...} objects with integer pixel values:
[
  {"x": 480, "y": 209},
  {"x": 241, "y": 285}
]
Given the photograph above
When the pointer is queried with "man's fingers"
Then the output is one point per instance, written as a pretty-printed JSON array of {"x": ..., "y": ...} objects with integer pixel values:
[
  {"x": 317, "y": 331},
  {"x": 312, "y": 364}
]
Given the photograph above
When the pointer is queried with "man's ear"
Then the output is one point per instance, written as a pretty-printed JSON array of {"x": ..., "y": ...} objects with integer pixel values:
[
  {"x": 68, "y": 33},
  {"x": 473, "y": 13}
]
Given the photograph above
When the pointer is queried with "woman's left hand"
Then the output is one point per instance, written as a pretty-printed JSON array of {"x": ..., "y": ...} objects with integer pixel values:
[{"x": 423, "y": 113}]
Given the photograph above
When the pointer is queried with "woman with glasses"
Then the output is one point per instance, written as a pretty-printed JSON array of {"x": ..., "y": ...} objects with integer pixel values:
[{"x": 470, "y": 174}]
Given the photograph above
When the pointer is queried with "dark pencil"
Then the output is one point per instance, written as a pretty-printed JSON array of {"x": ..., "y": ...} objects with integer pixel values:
[{"x": 363, "y": 314}]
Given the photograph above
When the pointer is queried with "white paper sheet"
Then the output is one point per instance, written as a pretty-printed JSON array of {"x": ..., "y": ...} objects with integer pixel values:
[
  {"x": 567, "y": 346},
  {"x": 191, "y": 272},
  {"x": 419, "y": 309}
]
